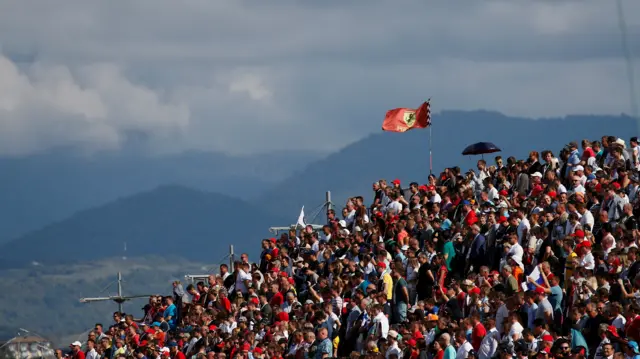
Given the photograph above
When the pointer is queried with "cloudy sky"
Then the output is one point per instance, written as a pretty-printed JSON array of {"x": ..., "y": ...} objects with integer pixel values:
[{"x": 246, "y": 76}]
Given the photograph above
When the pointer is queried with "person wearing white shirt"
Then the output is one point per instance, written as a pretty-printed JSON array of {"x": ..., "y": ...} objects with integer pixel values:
[
  {"x": 516, "y": 251},
  {"x": 501, "y": 315},
  {"x": 380, "y": 322},
  {"x": 392, "y": 339},
  {"x": 523, "y": 228},
  {"x": 489, "y": 344},
  {"x": 587, "y": 220},
  {"x": 463, "y": 345},
  {"x": 243, "y": 278},
  {"x": 394, "y": 205},
  {"x": 91, "y": 352}
]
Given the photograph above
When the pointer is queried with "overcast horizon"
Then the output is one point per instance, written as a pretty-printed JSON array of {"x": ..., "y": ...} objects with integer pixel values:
[{"x": 246, "y": 77}]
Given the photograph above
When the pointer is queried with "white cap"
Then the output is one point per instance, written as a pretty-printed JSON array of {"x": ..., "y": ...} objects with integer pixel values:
[
  {"x": 393, "y": 334},
  {"x": 536, "y": 174},
  {"x": 578, "y": 168},
  {"x": 76, "y": 344},
  {"x": 405, "y": 247},
  {"x": 342, "y": 223}
]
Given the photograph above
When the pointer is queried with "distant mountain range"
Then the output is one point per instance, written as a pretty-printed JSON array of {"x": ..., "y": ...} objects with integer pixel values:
[
  {"x": 405, "y": 156},
  {"x": 39, "y": 194},
  {"x": 167, "y": 221},
  {"x": 38, "y": 190}
]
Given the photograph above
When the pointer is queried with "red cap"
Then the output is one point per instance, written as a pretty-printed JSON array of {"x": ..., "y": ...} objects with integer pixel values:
[
  {"x": 613, "y": 330},
  {"x": 255, "y": 301},
  {"x": 552, "y": 194},
  {"x": 584, "y": 244},
  {"x": 547, "y": 338},
  {"x": 257, "y": 350},
  {"x": 396, "y": 181},
  {"x": 579, "y": 233},
  {"x": 540, "y": 290},
  {"x": 292, "y": 281},
  {"x": 423, "y": 188},
  {"x": 246, "y": 346},
  {"x": 474, "y": 290},
  {"x": 275, "y": 269},
  {"x": 382, "y": 265},
  {"x": 284, "y": 274},
  {"x": 502, "y": 219},
  {"x": 282, "y": 317},
  {"x": 616, "y": 185},
  {"x": 503, "y": 193},
  {"x": 273, "y": 240}
]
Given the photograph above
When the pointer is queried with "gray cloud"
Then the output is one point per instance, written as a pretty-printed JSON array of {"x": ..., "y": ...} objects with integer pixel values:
[{"x": 249, "y": 76}]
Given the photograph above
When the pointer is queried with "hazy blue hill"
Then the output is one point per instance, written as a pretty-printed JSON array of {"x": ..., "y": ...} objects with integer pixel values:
[
  {"x": 406, "y": 155},
  {"x": 170, "y": 220},
  {"x": 40, "y": 189}
]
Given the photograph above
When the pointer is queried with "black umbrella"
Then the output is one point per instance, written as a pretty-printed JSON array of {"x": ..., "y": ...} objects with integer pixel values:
[{"x": 481, "y": 148}]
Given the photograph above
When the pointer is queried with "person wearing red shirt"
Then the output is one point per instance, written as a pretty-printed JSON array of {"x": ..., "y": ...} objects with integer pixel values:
[
  {"x": 174, "y": 353},
  {"x": 75, "y": 350},
  {"x": 478, "y": 332},
  {"x": 277, "y": 299}
]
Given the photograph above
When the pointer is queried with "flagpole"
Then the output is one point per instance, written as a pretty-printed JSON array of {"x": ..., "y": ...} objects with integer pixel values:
[
  {"x": 430, "y": 146},
  {"x": 430, "y": 154}
]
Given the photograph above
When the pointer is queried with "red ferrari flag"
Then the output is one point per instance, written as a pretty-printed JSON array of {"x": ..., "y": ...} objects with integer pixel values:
[{"x": 404, "y": 119}]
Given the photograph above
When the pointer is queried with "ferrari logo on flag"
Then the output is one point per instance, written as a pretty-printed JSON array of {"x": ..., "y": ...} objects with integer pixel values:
[
  {"x": 410, "y": 118},
  {"x": 403, "y": 119}
]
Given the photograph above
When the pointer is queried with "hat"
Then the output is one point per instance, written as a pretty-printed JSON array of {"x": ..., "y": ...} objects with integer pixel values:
[
  {"x": 547, "y": 338},
  {"x": 257, "y": 350},
  {"x": 405, "y": 247},
  {"x": 466, "y": 203},
  {"x": 213, "y": 328},
  {"x": 382, "y": 265},
  {"x": 393, "y": 334},
  {"x": 432, "y": 318},
  {"x": 572, "y": 144},
  {"x": 552, "y": 194},
  {"x": 502, "y": 219},
  {"x": 342, "y": 223},
  {"x": 579, "y": 233},
  {"x": 540, "y": 290},
  {"x": 155, "y": 324},
  {"x": 536, "y": 174},
  {"x": 613, "y": 330},
  {"x": 396, "y": 181},
  {"x": 76, "y": 344},
  {"x": 309, "y": 302},
  {"x": 273, "y": 240},
  {"x": 578, "y": 168},
  {"x": 474, "y": 290},
  {"x": 172, "y": 344},
  {"x": 633, "y": 346}
]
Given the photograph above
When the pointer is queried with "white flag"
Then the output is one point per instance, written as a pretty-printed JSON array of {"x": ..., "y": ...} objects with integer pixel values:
[{"x": 301, "y": 218}]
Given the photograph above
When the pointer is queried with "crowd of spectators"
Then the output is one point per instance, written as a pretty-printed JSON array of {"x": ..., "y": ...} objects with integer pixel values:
[{"x": 532, "y": 258}]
